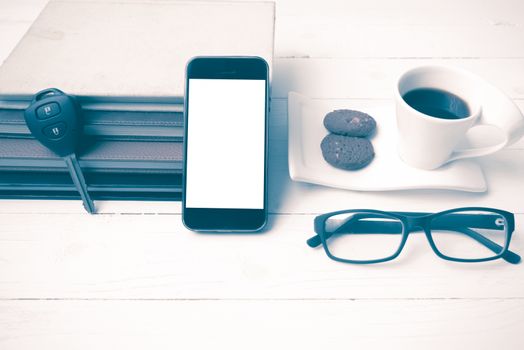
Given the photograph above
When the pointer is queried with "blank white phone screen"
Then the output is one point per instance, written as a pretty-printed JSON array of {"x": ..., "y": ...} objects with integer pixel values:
[{"x": 225, "y": 143}]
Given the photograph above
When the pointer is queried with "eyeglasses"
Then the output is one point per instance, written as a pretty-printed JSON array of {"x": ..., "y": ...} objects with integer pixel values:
[{"x": 371, "y": 236}]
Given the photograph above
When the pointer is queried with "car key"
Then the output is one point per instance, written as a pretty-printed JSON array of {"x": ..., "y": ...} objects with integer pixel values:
[{"x": 55, "y": 119}]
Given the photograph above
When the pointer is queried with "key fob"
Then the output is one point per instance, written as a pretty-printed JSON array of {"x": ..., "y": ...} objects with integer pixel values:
[{"x": 55, "y": 119}]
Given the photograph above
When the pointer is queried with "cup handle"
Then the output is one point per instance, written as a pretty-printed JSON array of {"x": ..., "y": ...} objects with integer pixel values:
[
  {"x": 481, "y": 140},
  {"x": 501, "y": 124}
]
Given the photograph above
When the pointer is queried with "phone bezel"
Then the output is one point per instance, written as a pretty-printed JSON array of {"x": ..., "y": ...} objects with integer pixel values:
[{"x": 219, "y": 219}]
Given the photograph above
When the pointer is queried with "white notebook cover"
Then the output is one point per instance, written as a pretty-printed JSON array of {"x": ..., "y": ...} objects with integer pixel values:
[{"x": 129, "y": 48}]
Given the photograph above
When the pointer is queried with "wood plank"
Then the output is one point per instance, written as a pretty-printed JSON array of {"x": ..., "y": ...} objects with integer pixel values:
[
  {"x": 10, "y": 34},
  {"x": 15, "y": 19},
  {"x": 375, "y": 78},
  {"x": 22, "y": 10},
  {"x": 411, "y": 324},
  {"x": 405, "y": 28},
  {"x": 155, "y": 257}
]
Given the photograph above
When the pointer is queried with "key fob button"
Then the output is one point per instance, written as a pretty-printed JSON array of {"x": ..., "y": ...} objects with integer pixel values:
[
  {"x": 48, "y": 110},
  {"x": 55, "y": 131}
]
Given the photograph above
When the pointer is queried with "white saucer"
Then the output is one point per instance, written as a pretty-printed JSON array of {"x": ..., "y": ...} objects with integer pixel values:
[{"x": 386, "y": 172}]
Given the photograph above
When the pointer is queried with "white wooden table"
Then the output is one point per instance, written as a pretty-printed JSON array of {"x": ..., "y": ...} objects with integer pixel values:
[{"x": 134, "y": 278}]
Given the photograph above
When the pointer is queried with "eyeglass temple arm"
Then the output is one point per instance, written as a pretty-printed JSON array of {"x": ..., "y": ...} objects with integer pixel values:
[
  {"x": 485, "y": 221},
  {"x": 478, "y": 221},
  {"x": 353, "y": 224}
]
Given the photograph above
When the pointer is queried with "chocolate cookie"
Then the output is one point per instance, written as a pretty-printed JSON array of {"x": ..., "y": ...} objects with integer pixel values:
[
  {"x": 349, "y": 123},
  {"x": 345, "y": 152}
]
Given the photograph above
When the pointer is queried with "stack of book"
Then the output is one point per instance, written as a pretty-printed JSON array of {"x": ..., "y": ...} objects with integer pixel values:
[{"x": 125, "y": 62}]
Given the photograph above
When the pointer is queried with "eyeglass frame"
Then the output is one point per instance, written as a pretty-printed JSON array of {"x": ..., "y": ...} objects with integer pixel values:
[{"x": 419, "y": 221}]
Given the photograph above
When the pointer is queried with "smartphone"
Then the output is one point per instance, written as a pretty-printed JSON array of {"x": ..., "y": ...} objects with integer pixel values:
[{"x": 225, "y": 145}]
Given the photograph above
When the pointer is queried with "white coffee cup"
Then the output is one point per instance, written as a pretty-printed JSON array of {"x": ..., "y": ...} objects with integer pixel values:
[{"x": 428, "y": 142}]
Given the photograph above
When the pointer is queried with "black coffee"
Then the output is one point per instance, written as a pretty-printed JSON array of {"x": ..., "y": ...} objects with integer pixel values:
[{"x": 437, "y": 103}]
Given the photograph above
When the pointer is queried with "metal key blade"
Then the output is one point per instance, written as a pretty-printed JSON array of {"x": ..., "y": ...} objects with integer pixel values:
[{"x": 79, "y": 181}]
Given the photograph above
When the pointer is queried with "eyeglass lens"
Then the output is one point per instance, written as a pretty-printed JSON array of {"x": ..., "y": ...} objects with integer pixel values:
[
  {"x": 469, "y": 234},
  {"x": 363, "y": 236}
]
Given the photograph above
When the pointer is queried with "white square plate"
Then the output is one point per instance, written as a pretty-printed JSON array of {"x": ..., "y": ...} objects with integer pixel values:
[{"x": 385, "y": 173}]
